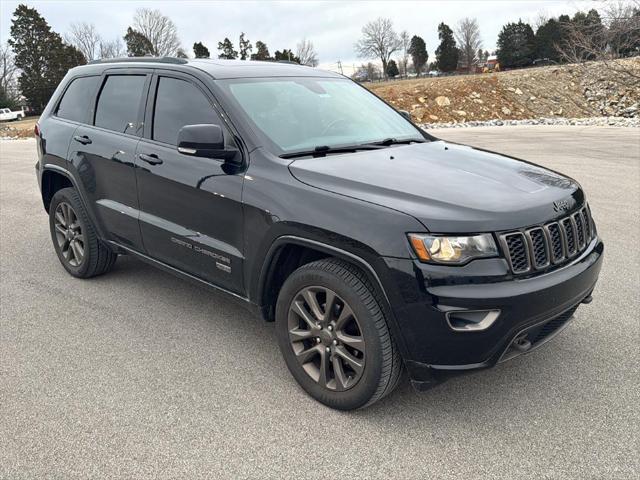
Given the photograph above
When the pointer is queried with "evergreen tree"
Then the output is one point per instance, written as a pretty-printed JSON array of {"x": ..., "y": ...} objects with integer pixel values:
[
  {"x": 200, "y": 51},
  {"x": 418, "y": 52},
  {"x": 516, "y": 45},
  {"x": 226, "y": 49},
  {"x": 262, "y": 52},
  {"x": 6, "y": 100},
  {"x": 589, "y": 26},
  {"x": 245, "y": 47},
  {"x": 137, "y": 44},
  {"x": 40, "y": 54},
  {"x": 286, "y": 55},
  {"x": 548, "y": 37},
  {"x": 392, "y": 69},
  {"x": 447, "y": 53},
  {"x": 480, "y": 56}
]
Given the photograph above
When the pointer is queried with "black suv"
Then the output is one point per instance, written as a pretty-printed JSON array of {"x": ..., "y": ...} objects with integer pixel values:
[{"x": 299, "y": 193}]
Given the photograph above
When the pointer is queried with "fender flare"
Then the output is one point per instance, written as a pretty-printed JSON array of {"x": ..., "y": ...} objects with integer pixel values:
[
  {"x": 266, "y": 271},
  {"x": 330, "y": 249},
  {"x": 66, "y": 173}
]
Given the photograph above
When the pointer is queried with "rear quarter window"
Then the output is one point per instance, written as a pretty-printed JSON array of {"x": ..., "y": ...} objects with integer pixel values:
[{"x": 77, "y": 99}]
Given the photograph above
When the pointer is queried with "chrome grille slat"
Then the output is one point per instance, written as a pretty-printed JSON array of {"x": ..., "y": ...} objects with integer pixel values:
[{"x": 538, "y": 248}]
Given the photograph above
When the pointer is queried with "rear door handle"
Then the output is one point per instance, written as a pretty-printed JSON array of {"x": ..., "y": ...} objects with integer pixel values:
[
  {"x": 82, "y": 139},
  {"x": 151, "y": 159}
]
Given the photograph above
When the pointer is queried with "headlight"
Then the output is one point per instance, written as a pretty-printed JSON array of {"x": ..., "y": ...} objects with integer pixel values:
[{"x": 451, "y": 249}]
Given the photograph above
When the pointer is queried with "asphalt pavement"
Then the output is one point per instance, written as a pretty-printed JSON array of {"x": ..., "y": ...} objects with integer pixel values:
[{"x": 137, "y": 374}]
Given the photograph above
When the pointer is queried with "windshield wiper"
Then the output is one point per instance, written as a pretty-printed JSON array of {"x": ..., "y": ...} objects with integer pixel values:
[
  {"x": 394, "y": 141},
  {"x": 322, "y": 150}
]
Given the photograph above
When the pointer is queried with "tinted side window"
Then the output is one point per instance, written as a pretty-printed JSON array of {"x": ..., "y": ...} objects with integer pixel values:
[
  {"x": 179, "y": 103},
  {"x": 119, "y": 103},
  {"x": 77, "y": 99}
]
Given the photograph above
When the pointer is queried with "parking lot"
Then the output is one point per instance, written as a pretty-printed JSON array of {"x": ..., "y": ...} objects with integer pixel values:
[{"x": 137, "y": 374}]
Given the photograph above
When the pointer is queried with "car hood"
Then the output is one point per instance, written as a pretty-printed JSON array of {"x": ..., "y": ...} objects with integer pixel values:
[{"x": 449, "y": 188}]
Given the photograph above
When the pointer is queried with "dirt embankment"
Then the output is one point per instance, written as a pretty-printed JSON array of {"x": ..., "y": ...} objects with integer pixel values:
[
  {"x": 18, "y": 129},
  {"x": 568, "y": 91}
]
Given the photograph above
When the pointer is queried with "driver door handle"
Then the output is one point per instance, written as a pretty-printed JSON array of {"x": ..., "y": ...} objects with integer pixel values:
[
  {"x": 151, "y": 159},
  {"x": 84, "y": 140}
]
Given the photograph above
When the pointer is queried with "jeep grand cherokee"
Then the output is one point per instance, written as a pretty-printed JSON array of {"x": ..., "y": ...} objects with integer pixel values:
[{"x": 372, "y": 244}]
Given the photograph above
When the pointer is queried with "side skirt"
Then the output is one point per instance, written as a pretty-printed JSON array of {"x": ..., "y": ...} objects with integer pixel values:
[{"x": 238, "y": 299}]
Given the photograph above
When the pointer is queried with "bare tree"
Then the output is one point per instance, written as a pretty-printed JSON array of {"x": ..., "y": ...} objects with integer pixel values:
[
  {"x": 541, "y": 19},
  {"x": 159, "y": 29},
  {"x": 8, "y": 73},
  {"x": 406, "y": 43},
  {"x": 85, "y": 38},
  {"x": 468, "y": 37},
  {"x": 609, "y": 40},
  {"x": 112, "y": 49},
  {"x": 379, "y": 40},
  {"x": 307, "y": 54}
]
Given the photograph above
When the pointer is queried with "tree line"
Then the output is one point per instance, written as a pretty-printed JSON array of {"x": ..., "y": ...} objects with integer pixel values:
[
  {"x": 36, "y": 58},
  {"x": 585, "y": 36}
]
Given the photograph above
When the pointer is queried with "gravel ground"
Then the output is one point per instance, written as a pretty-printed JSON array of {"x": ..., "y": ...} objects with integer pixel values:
[
  {"x": 138, "y": 374},
  {"x": 579, "y": 122}
]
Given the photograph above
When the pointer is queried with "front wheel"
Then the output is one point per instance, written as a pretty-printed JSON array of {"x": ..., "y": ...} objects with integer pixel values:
[{"x": 334, "y": 337}]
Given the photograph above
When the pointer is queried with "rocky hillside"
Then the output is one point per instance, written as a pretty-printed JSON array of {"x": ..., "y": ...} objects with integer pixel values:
[{"x": 568, "y": 91}]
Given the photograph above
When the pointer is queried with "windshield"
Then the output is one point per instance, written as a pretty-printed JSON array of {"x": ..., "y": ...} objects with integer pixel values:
[{"x": 298, "y": 114}]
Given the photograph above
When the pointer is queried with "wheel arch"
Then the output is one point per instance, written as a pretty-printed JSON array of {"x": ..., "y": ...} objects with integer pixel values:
[
  {"x": 54, "y": 178},
  {"x": 289, "y": 252}
]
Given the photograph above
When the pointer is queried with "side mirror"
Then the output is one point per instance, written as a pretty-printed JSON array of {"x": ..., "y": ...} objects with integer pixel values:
[
  {"x": 405, "y": 114},
  {"x": 206, "y": 140}
]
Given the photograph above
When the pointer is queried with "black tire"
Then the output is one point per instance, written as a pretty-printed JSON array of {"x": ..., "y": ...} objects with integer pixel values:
[
  {"x": 97, "y": 257},
  {"x": 382, "y": 361}
]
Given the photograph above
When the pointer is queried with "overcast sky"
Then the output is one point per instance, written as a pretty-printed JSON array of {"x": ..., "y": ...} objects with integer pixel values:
[{"x": 333, "y": 26}]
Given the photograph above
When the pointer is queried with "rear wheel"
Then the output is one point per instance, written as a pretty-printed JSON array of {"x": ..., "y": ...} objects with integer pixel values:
[
  {"x": 334, "y": 337},
  {"x": 78, "y": 247}
]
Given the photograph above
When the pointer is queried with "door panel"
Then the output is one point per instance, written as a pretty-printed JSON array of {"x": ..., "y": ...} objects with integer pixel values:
[
  {"x": 105, "y": 169},
  {"x": 190, "y": 207},
  {"x": 191, "y": 215},
  {"x": 103, "y": 154}
]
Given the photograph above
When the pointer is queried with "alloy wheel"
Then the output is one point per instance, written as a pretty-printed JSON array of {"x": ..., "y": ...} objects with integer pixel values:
[
  {"x": 326, "y": 338},
  {"x": 69, "y": 234}
]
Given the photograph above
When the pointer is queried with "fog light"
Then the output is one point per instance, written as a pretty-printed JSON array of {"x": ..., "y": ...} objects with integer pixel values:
[{"x": 471, "y": 320}]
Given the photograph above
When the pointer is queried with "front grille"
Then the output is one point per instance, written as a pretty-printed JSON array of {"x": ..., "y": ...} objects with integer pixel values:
[{"x": 537, "y": 248}]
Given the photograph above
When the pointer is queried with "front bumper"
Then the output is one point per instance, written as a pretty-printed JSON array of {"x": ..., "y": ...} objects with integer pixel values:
[{"x": 532, "y": 310}]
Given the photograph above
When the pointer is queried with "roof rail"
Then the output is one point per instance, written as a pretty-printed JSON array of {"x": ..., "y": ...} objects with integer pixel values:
[{"x": 173, "y": 60}]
